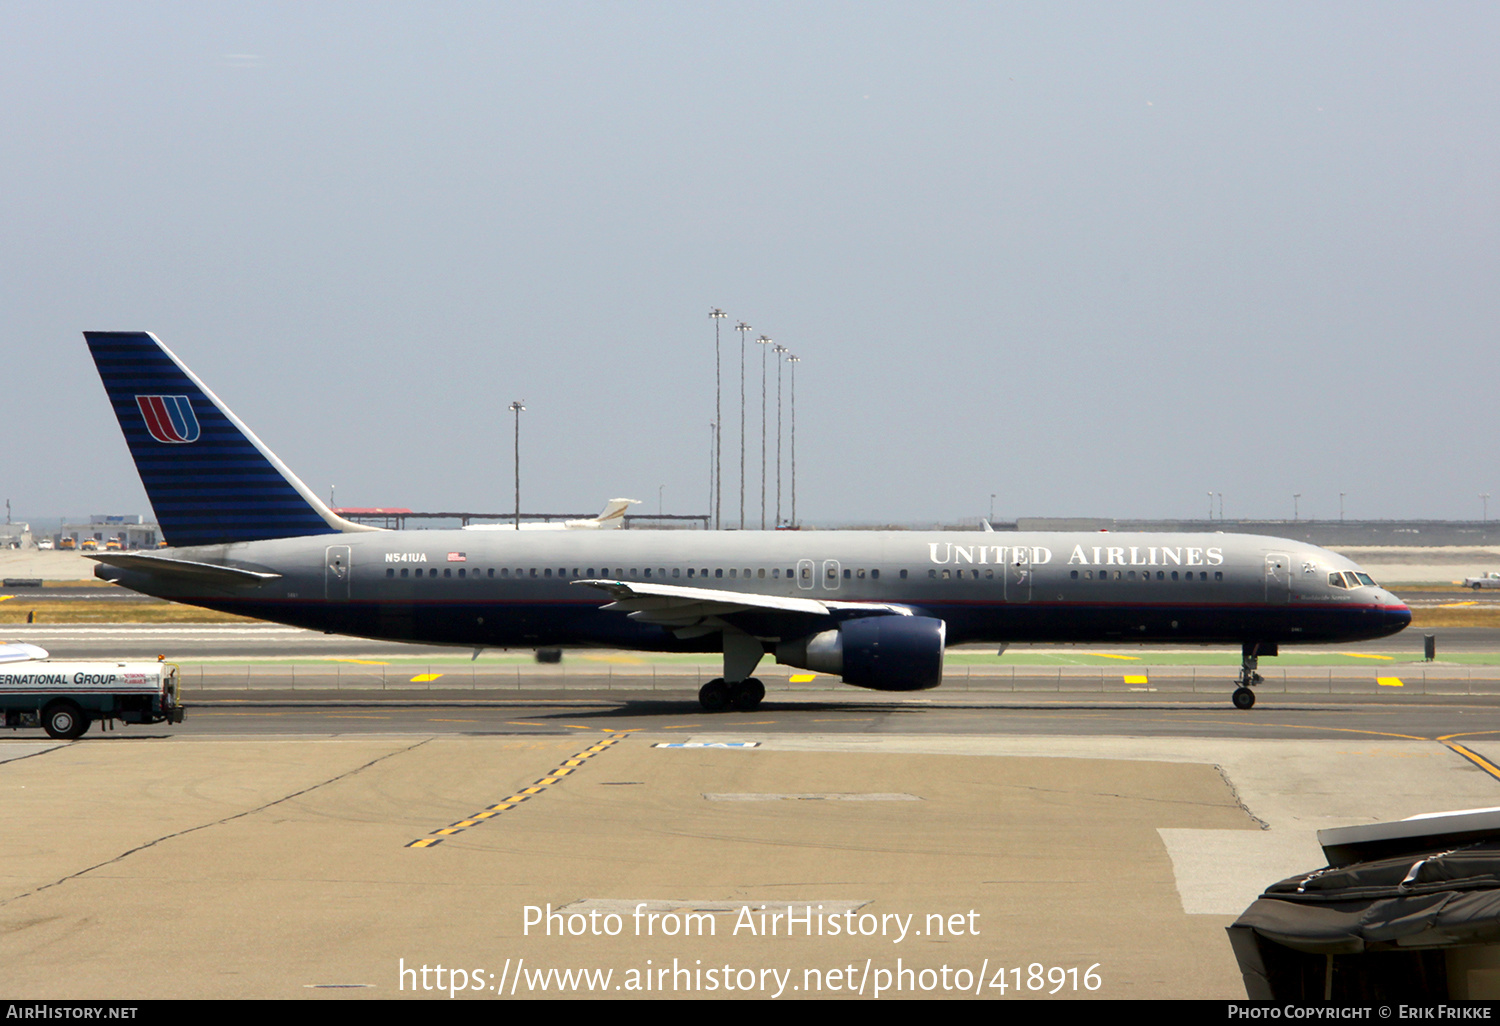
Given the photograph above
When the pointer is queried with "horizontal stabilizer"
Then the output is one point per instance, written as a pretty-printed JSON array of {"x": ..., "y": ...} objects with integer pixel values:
[
  {"x": 185, "y": 569},
  {"x": 20, "y": 652}
]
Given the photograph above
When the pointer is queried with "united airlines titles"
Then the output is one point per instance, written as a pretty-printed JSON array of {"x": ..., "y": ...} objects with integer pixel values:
[{"x": 1090, "y": 555}]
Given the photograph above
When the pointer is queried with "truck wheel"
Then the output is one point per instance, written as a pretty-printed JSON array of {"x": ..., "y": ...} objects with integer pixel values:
[{"x": 64, "y": 721}]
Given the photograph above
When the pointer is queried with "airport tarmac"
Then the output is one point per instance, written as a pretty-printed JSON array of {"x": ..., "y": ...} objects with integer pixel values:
[
  {"x": 155, "y": 863},
  {"x": 1033, "y": 834}
]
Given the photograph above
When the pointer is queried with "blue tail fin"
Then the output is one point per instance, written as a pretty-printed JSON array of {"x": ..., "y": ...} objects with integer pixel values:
[{"x": 209, "y": 479}]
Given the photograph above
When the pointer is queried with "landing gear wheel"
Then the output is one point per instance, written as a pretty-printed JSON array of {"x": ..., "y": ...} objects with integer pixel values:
[
  {"x": 64, "y": 721},
  {"x": 1244, "y": 698},
  {"x": 747, "y": 694},
  {"x": 714, "y": 696}
]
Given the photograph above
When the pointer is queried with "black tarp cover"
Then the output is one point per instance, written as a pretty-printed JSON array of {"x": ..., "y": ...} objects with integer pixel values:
[{"x": 1421, "y": 900}]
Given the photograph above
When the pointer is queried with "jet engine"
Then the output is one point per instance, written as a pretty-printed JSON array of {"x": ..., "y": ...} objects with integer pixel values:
[{"x": 884, "y": 653}]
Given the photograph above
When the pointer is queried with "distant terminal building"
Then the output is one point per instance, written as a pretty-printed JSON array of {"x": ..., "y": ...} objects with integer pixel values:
[
  {"x": 390, "y": 517},
  {"x": 399, "y": 519},
  {"x": 128, "y": 531},
  {"x": 15, "y": 536}
]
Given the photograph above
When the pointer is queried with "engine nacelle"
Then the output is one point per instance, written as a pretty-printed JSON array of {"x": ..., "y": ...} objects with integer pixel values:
[{"x": 884, "y": 653}]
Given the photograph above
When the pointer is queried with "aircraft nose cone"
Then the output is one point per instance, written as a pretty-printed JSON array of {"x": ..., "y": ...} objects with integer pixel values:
[{"x": 1397, "y": 617}]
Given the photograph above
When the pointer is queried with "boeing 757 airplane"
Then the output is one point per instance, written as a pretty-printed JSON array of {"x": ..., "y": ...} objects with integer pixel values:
[{"x": 875, "y": 608}]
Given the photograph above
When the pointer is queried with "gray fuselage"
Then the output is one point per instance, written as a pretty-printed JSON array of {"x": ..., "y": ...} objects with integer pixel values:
[{"x": 516, "y": 589}]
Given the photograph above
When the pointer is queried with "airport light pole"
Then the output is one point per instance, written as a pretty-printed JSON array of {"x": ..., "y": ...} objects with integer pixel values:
[
  {"x": 516, "y": 408},
  {"x": 742, "y": 327},
  {"x": 1210, "y": 505},
  {"x": 1295, "y": 497},
  {"x": 794, "y": 360},
  {"x": 763, "y": 342},
  {"x": 718, "y": 315},
  {"x": 1341, "y": 507},
  {"x": 778, "y": 350}
]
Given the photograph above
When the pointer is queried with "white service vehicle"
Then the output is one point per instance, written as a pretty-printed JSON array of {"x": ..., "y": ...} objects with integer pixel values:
[
  {"x": 1489, "y": 580},
  {"x": 63, "y": 698}
]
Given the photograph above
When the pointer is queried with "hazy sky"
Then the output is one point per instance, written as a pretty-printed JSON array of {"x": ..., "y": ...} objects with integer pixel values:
[{"x": 1098, "y": 259}]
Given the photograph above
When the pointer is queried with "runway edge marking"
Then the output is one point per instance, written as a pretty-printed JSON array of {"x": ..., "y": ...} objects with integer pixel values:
[{"x": 553, "y": 776}]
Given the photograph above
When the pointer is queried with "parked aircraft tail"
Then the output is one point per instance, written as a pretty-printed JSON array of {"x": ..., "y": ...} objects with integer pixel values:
[
  {"x": 209, "y": 479},
  {"x": 612, "y": 516}
]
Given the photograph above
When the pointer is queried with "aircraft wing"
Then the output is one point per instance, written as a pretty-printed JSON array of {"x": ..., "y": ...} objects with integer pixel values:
[
  {"x": 160, "y": 566},
  {"x": 689, "y": 610}
]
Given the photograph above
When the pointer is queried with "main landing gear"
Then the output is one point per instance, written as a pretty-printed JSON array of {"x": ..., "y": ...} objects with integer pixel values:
[
  {"x": 718, "y": 695},
  {"x": 736, "y": 689},
  {"x": 1250, "y": 653}
]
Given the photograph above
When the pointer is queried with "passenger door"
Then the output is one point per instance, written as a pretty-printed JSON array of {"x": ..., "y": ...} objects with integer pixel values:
[
  {"x": 1278, "y": 577},
  {"x": 336, "y": 573},
  {"x": 1018, "y": 575}
]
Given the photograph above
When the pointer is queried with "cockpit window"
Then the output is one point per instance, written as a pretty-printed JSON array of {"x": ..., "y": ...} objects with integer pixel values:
[
  {"x": 1366, "y": 579},
  {"x": 1336, "y": 580}
]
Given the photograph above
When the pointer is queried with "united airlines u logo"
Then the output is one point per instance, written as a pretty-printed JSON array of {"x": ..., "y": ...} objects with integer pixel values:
[{"x": 169, "y": 418}]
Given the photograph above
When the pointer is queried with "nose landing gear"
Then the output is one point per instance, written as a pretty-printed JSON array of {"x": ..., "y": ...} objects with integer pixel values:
[{"x": 1250, "y": 653}]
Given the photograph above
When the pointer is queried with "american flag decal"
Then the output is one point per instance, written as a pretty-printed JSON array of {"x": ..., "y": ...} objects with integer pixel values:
[{"x": 457, "y": 557}]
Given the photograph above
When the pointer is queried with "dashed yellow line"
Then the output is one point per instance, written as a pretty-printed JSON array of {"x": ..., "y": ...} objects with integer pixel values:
[{"x": 569, "y": 765}]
